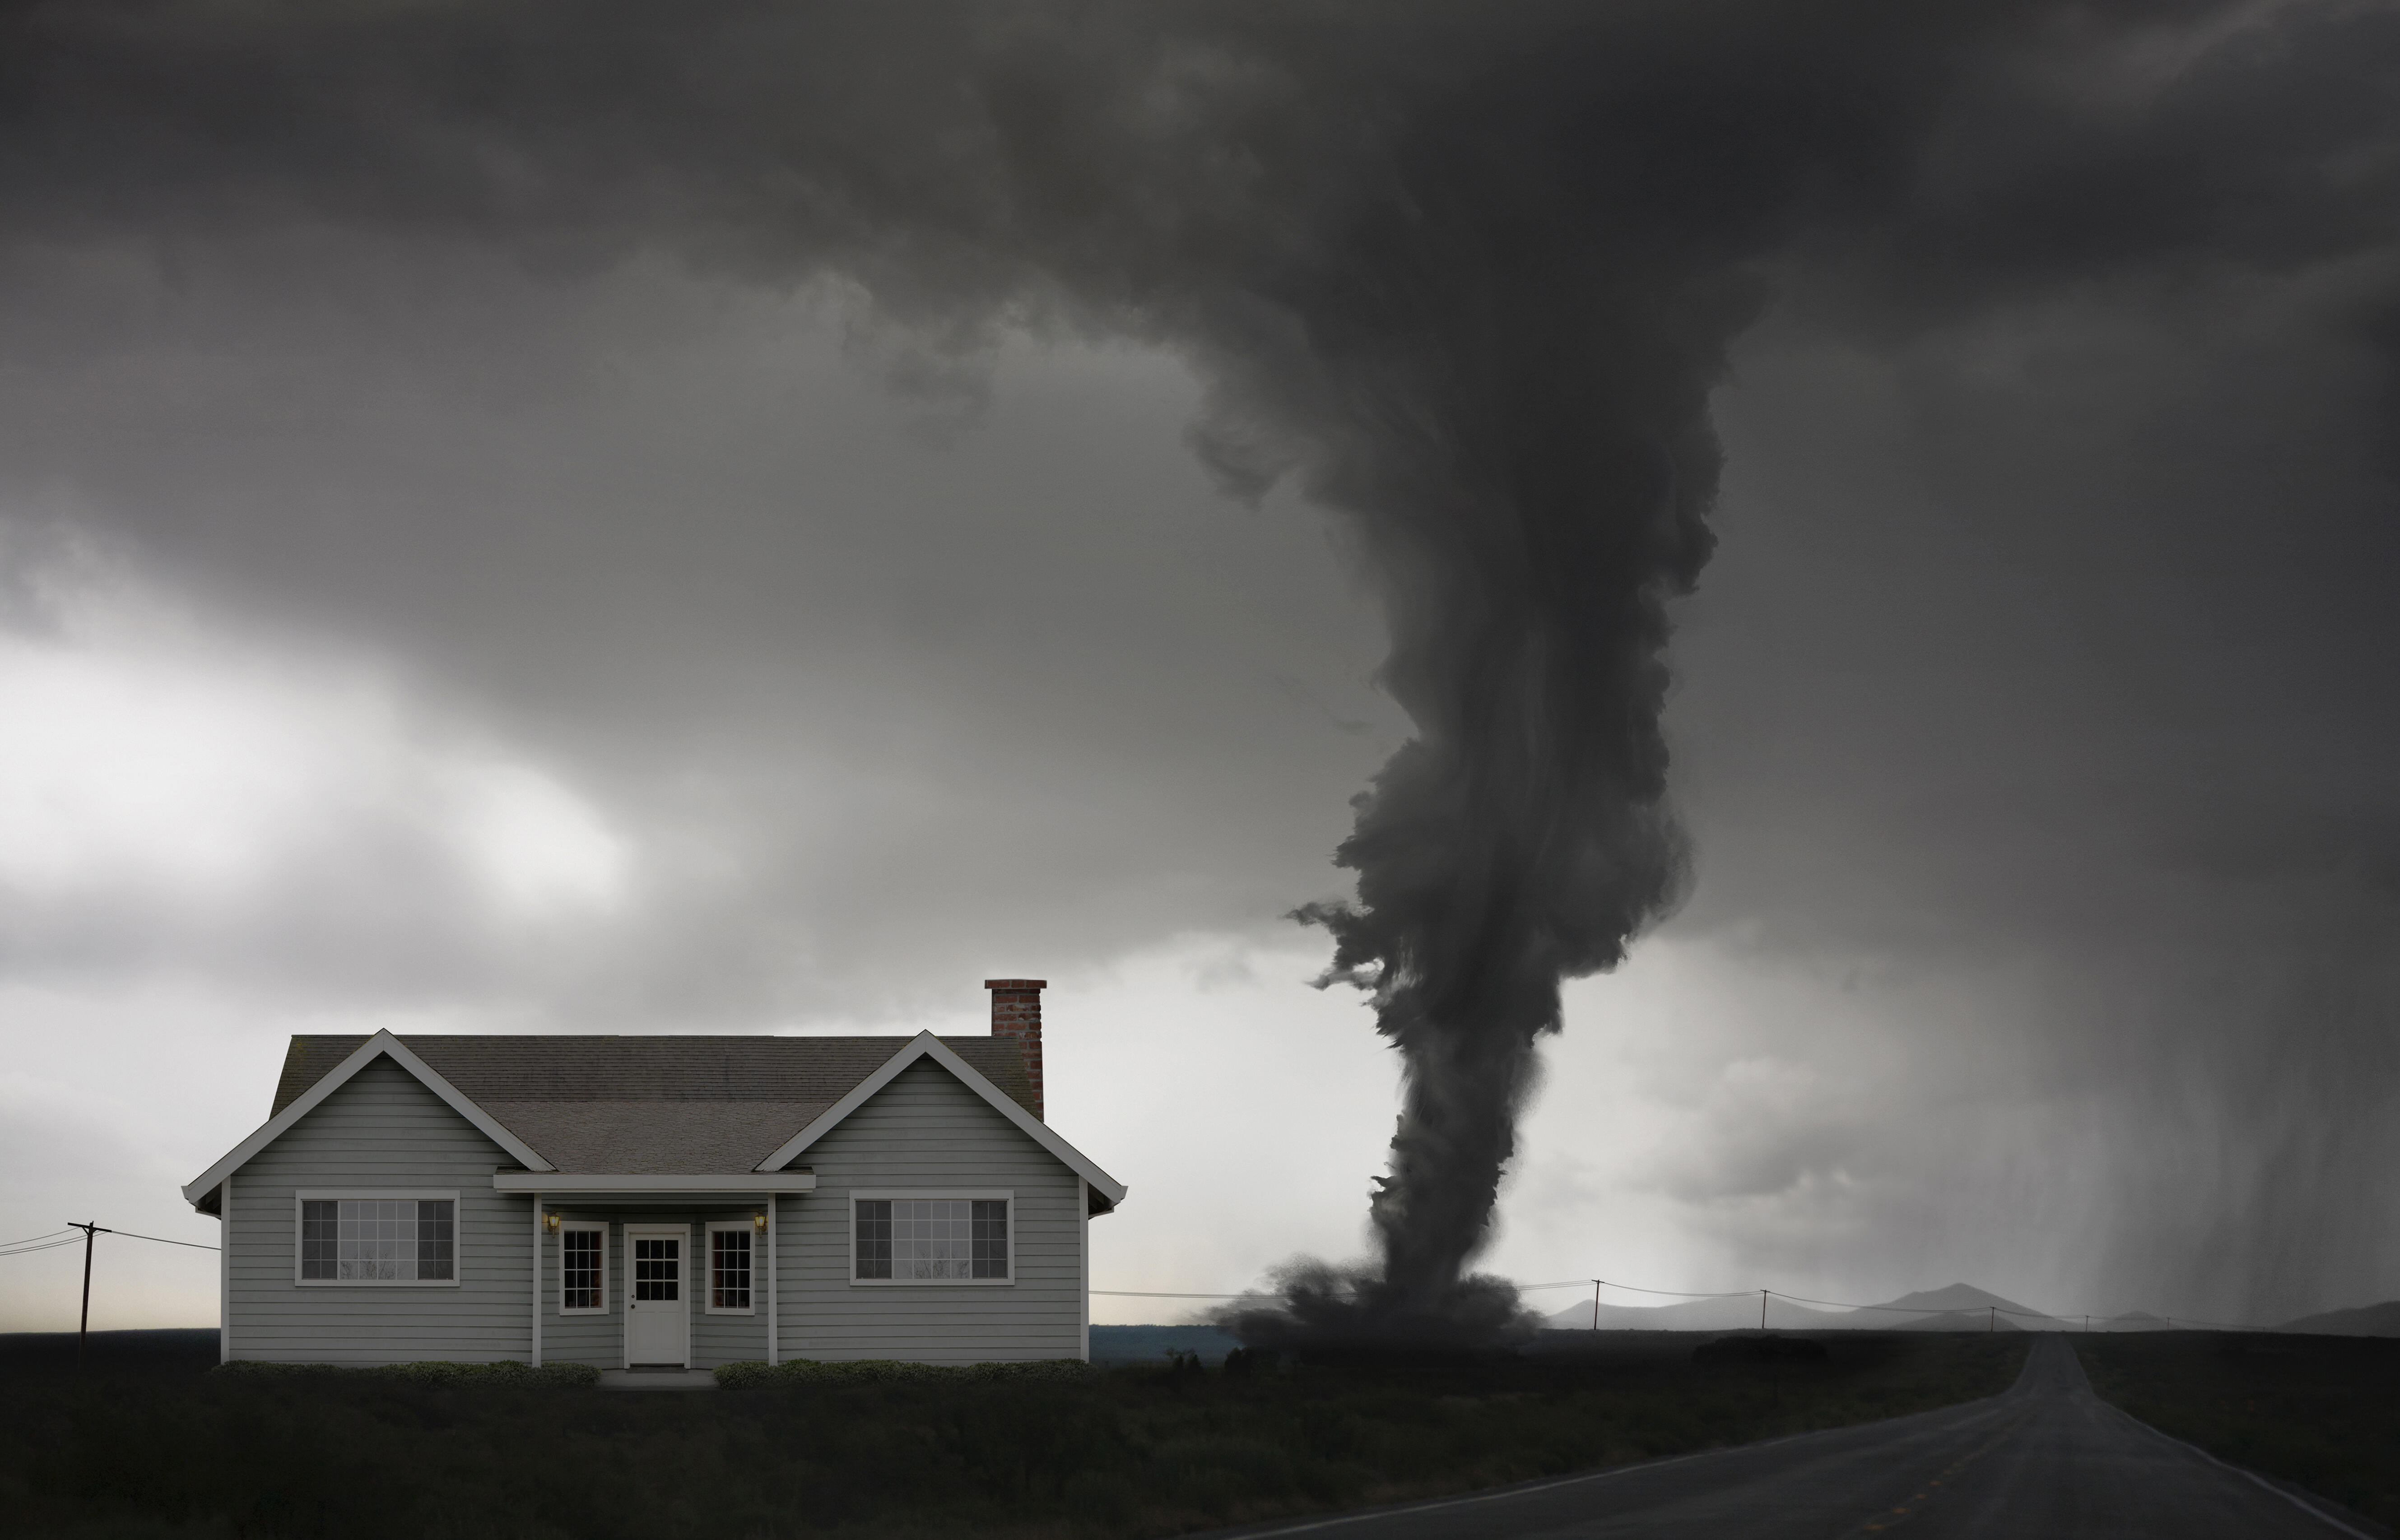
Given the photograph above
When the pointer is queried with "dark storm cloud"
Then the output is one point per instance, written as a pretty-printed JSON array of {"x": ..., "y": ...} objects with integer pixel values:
[
  {"x": 2059, "y": 679},
  {"x": 1469, "y": 276}
]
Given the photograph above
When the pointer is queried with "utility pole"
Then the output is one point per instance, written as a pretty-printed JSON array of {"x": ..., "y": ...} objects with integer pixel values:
[
  {"x": 1761, "y": 1310},
  {"x": 1995, "y": 1326},
  {"x": 1595, "y": 1305},
  {"x": 89, "y": 1229}
]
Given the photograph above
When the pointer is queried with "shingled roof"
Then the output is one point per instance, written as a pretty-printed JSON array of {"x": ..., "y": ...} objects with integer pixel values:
[{"x": 652, "y": 1105}]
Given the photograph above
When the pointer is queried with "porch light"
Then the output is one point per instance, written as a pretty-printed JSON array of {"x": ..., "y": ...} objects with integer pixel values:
[
  {"x": 549, "y": 1222},
  {"x": 758, "y": 1222}
]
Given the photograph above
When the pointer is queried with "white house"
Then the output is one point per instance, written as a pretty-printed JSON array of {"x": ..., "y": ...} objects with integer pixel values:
[{"x": 660, "y": 1200}]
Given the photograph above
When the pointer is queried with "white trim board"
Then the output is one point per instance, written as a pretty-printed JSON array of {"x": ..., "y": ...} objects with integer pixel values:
[
  {"x": 707, "y": 1289},
  {"x": 225, "y": 1270},
  {"x": 926, "y": 1046},
  {"x": 745, "y": 1181},
  {"x": 383, "y": 1044},
  {"x": 582, "y": 1227},
  {"x": 536, "y": 1301}
]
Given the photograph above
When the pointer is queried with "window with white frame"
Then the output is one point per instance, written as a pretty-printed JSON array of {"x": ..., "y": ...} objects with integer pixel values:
[
  {"x": 915, "y": 1237},
  {"x": 378, "y": 1238},
  {"x": 728, "y": 1268},
  {"x": 583, "y": 1269}
]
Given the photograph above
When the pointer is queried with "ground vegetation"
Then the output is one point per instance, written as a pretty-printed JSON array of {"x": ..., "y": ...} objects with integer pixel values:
[
  {"x": 157, "y": 1443},
  {"x": 2322, "y": 1412}
]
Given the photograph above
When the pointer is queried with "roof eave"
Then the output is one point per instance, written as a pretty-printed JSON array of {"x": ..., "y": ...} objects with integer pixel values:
[
  {"x": 926, "y": 1046},
  {"x": 566, "y": 1184},
  {"x": 383, "y": 1044}
]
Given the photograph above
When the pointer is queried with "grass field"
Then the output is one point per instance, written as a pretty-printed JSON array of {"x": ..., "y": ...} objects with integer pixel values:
[
  {"x": 146, "y": 1443},
  {"x": 2323, "y": 1411}
]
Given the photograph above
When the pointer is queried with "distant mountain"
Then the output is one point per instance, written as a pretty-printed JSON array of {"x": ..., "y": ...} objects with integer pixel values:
[
  {"x": 1151, "y": 1345},
  {"x": 2372, "y": 1320},
  {"x": 2134, "y": 1320},
  {"x": 1956, "y": 1320},
  {"x": 1728, "y": 1315},
  {"x": 1960, "y": 1307}
]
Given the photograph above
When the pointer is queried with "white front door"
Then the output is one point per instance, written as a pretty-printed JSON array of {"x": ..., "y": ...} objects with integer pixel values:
[{"x": 658, "y": 1307}]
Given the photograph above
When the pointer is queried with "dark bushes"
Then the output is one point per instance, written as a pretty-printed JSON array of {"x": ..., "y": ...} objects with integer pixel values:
[
  {"x": 1769, "y": 1349},
  {"x": 432, "y": 1372},
  {"x": 1048, "y": 1451},
  {"x": 755, "y": 1374},
  {"x": 1244, "y": 1361}
]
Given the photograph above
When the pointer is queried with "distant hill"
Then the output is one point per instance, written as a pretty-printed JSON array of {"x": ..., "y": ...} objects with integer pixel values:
[
  {"x": 1956, "y": 1320},
  {"x": 185, "y": 1349},
  {"x": 1959, "y": 1307},
  {"x": 2371, "y": 1320},
  {"x": 1962, "y": 1307},
  {"x": 1151, "y": 1345}
]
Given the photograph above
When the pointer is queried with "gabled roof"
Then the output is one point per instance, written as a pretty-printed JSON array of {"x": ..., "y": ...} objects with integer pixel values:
[
  {"x": 662, "y": 1106},
  {"x": 656, "y": 1105},
  {"x": 381, "y": 1045},
  {"x": 943, "y": 1052},
  {"x": 557, "y": 1067}
]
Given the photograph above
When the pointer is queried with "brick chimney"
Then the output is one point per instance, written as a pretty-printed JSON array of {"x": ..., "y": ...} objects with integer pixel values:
[{"x": 1017, "y": 1012}]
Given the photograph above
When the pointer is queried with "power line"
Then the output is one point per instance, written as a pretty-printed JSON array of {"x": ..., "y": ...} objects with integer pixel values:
[
  {"x": 1168, "y": 1294},
  {"x": 46, "y": 1245},
  {"x": 1521, "y": 1287},
  {"x": 1990, "y": 1308},
  {"x": 91, "y": 1232},
  {"x": 1903, "y": 1309},
  {"x": 1580, "y": 1282},
  {"x": 1678, "y": 1293},
  {"x": 162, "y": 1240},
  {"x": 2221, "y": 1325},
  {"x": 40, "y": 1243}
]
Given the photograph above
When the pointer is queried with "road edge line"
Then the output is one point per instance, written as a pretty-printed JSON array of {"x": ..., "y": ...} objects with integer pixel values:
[
  {"x": 2285, "y": 1492},
  {"x": 1520, "y": 1488}
]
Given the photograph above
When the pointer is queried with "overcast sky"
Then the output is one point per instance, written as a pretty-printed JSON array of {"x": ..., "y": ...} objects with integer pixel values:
[{"x": 473, "y": 558}]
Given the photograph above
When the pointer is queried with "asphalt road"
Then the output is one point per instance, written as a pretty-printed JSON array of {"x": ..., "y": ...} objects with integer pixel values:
[{"x": 2048, "y": 1459}]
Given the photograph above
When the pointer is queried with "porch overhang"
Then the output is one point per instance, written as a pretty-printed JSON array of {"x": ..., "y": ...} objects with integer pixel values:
[
  {"x": 670, "y": 1192},
  {"x": 629, "y": 1189}
]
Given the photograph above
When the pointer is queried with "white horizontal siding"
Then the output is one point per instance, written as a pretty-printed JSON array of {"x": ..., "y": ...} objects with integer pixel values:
[
  {"x": 382, "y": 1129},
  {"x": 927, "y": 1131},
  {"x": 385, "y": 1130}
]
